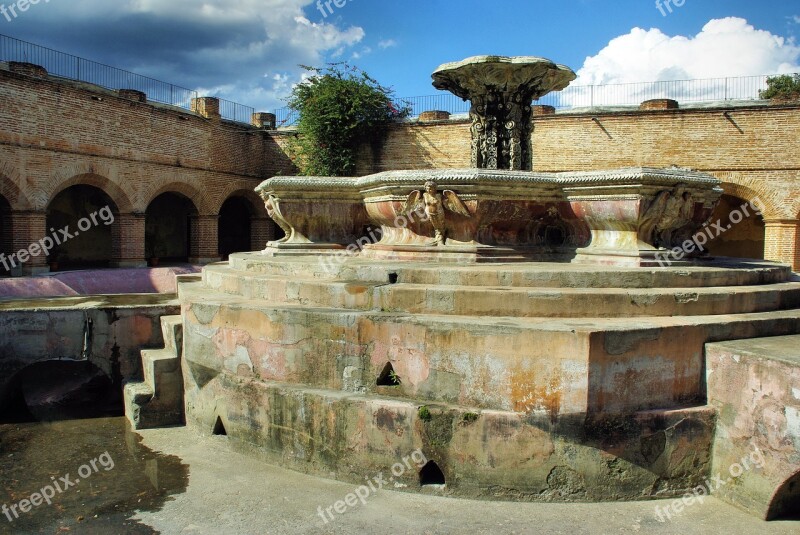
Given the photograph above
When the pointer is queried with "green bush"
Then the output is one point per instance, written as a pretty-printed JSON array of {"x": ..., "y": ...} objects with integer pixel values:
[
  {"x": 424, "y": 413},
  {"x": 340, "y": 108},
  {"x": 786, "y": 86}
]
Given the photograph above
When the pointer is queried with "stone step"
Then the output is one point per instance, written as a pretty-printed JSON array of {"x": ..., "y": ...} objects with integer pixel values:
[
  {"x": 561, "y": 365},
  {"x": 157, "y": 401},
  {"x": 137, "y": 393},
  {"x": 508, "y": 300},
  {"x": 172, "y": 330},
  {"x": 594, "y": 303},
  {"x": 461, "y": 450},
  {"x": 722, "y": 273},
  {"x": 159, "y": 367}
]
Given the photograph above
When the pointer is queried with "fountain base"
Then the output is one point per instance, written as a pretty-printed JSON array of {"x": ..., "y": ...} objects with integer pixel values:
[{"x": 525, "y": 381}]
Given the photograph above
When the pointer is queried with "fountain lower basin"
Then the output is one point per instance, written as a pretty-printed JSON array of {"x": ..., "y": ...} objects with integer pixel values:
[{"x": 620, "y": 217}]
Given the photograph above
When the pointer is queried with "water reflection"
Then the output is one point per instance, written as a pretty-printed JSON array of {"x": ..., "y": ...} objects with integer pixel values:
[{"x": 38, "y": 455}]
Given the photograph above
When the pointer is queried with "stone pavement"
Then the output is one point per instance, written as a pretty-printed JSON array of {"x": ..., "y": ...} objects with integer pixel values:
[
  {"x": 96, "y": 282},
  {"x": 233, "y": 493}
]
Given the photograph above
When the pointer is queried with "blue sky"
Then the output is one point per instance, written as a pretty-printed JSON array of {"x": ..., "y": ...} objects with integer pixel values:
[{"x": 248, "y": 50}]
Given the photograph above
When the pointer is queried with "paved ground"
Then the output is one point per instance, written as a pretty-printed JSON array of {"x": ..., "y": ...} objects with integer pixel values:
[
  {"x": 96, "y": 282},
  {"x": 232, "y": 493}
]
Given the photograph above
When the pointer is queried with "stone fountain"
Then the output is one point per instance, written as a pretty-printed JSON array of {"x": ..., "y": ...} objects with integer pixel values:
[
  {"x": 501, "y": 90},
  {"x": 516, "y": 327}
]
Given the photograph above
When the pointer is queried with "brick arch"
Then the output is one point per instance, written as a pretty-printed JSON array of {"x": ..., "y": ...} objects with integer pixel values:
[
  {"x": 120, "y": 198},
  {"x": 768, "y": 200},
  {"x": 12, "y": 193},
  {"x": 89, "y": 173},
  {"x": 238, "y": 189},
  {"x": 198, "y": 199},
  {"x": 784, "y": 500}
]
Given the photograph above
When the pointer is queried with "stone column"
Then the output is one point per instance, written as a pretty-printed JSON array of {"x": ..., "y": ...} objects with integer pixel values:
[
  {"x": 6, "y": 236},
  {"x": 128, "y": 241},
  {"x": 266, "y": 121},
  {"x": 501, "y": 90},
  {"x": 782, "y": 241},
  {"x": 203, "y": 233},
  {"x": 29, "y": 236},
  {"x": 501, "y": 130},
  {"x": 208, "y": 107}
]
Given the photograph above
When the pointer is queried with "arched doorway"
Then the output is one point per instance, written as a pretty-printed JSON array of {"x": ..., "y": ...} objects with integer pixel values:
[
  {"x": 6, "y": 234},
  {"x": 786, "y": 501},
  {"x": 168, "y": 228},
  {"x": 235, "y": 226},
  {"x": 738, "y": 229},
  {"x": 79, "y": 221},
  {"x": 60, "y": 390}
]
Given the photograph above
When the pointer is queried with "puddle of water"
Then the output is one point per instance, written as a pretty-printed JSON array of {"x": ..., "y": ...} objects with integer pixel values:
[{"x": 103, "y": 471}]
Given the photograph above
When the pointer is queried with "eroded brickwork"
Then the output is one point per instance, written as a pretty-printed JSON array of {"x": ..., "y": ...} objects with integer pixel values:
[
  {"x": 56, "y": 134},
  {"x": 752, "y": 149}
]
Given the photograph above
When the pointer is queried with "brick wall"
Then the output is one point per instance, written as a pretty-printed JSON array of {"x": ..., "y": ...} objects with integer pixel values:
[
  {"x": 55, "y": 134},
  {"x": 752, "y": 149}
]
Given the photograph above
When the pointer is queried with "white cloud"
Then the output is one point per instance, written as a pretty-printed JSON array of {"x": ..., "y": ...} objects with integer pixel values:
[
  {"x": 796, "y": 19},
  {"x": 233, "y": 48},
  {"x": 387, "y": 43},
  {"x": 363, "y": 52},
  {"x": 724, "y": 47},
  {"x": 728, "y": 47}
]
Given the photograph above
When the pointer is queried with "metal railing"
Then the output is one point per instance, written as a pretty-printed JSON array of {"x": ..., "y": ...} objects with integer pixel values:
[
  {"x": 75, "y": 68},
  {"x": 684, "y": 91},
  {"x": 234, "y": 111},
  {"x": 286, "y": 117},
  {"x": 593, "y": 96}
]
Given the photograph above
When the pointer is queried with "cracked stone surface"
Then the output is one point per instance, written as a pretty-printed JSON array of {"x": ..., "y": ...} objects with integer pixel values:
[{"x": 230, "y": 492}]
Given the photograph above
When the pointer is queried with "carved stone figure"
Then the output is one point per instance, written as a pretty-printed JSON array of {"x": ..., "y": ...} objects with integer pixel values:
[
  {"x": 670, "y": 212},
  {"x": 274, "y": 212},
  {"x": 478, "y": 130},
  {"x": 435, "y": 204}
]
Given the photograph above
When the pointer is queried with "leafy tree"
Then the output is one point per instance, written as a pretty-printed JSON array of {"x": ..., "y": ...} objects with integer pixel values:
[
  {"x": 340, "y": 107},
  {"x": 786, "y": 86}
]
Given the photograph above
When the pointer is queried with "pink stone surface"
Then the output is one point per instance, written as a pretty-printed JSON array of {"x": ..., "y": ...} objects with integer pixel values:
[{"x": 97, "y": 282}]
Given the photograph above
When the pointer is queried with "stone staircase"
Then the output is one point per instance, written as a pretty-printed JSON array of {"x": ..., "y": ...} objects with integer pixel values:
[
  {"x": 521, "y": 381},
  {"x": 158, "y": 400}
]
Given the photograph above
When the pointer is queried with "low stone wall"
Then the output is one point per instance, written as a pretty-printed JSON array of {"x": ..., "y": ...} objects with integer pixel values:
[
  {"x": 108, "y": 331},
  {"x": 755, "y": 387}
]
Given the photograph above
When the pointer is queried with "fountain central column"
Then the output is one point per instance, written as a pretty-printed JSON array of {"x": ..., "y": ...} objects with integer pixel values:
[{"x": 501, "y": 90}]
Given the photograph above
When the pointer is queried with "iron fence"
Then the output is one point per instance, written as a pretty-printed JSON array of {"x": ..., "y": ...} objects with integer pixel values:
[
  {"x": 684, "y": 91},
  {"x": 286, "y": 117},
  {"x": 593, "y": 96},
  {"x": 75, "y": 68},
  {"x": 234, "y": 111},
  {"x": 574, "y": 97}
]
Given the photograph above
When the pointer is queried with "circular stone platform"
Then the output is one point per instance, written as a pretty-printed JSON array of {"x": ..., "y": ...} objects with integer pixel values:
[{"x": 528, "y": 381}]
